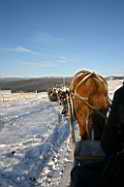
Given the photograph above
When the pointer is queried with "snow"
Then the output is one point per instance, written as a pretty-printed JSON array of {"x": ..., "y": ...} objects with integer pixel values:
[
  {"x": 113, "y": 85},
  {"x": 31, "y": 135},
  {"x": 34, "y": 140}
]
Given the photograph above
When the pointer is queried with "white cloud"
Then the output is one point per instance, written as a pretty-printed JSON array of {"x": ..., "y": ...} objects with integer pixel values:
[
  {"x": 47, "y": 38},
  {"x": 21, "y": 49},
  {"x": 39, "y": 64},
  {"x": 62, "y": 60}
]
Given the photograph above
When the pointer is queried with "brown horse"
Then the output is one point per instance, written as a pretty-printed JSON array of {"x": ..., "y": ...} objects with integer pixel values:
[{"x": 88, "y": 93}]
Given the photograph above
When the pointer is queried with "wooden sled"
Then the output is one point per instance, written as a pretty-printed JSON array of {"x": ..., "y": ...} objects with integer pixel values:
[
  {"x": 88, "y": 150},
  {"x": 88, "y": 164}
]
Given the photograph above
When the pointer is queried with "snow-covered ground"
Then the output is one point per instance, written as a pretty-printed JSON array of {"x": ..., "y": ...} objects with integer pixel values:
[
  {"x": 113, "y": 85},
  {"x": 33, "y": 140}
]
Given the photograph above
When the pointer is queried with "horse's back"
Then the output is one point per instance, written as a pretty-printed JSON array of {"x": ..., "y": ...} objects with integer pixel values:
[{"x": 87, "y": 75}]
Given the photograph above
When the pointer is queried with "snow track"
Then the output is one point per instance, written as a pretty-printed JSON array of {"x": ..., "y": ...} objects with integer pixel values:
[{"x": 31, "y": 138}]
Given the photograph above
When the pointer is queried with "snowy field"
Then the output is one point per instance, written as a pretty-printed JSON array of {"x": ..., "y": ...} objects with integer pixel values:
[{"x": 33, "y": 140}]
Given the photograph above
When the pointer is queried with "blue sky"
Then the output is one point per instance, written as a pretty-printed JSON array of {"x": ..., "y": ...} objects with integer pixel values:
[{"x": 59, "y": 37}]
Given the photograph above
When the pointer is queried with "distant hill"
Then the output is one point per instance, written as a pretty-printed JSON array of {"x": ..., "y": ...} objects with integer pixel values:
[
  {"x": 33, "y": 84},
  {"x": 39, "y": 84},
  {"x": 115, "y": 77}
]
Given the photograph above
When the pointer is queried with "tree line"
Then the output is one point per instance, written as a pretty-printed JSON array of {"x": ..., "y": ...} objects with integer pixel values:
[{"x": 34, "y": 84}]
